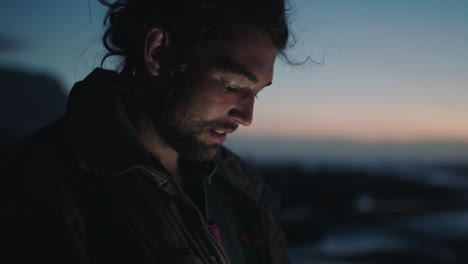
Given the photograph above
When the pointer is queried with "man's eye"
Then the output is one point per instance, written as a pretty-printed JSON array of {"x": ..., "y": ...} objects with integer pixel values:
[{"x": 230, "y": 89}]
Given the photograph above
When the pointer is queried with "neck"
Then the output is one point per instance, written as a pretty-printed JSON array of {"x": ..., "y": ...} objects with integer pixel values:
[{"x": 165, "y": 154}]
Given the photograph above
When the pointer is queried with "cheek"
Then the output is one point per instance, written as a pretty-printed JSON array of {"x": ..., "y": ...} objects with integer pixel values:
[
  {"x": 209, "y": 105},
  {"x": 209, "y": 99},
  {"x": 199, "y": 107}
]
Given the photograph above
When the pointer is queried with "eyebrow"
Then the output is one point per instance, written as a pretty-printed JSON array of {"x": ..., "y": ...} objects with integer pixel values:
[{"x": 226, "y": 64}]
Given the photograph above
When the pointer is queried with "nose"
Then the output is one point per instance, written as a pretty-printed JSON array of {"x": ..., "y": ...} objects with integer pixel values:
[{"x": 242, "y": 113}]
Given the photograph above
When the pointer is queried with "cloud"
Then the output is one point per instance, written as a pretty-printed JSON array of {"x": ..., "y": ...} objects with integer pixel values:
[{"x": 10, "y": 43}]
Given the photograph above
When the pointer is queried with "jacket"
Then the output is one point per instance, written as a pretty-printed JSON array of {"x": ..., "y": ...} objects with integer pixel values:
[{"x": 85, "y": 190}]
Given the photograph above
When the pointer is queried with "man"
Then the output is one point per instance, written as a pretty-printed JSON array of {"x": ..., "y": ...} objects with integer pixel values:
[{"x": 135, "y": 172}]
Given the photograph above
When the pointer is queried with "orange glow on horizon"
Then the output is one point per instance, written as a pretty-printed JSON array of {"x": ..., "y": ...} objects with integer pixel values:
[{"x": 399, "y": 128}]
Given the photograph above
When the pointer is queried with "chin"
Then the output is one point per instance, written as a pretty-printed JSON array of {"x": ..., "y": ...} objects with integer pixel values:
[{"x": 205, "y": 154}]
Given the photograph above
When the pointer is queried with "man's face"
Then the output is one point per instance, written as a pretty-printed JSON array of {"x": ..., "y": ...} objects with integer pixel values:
[{"x": 221, "y": 88}]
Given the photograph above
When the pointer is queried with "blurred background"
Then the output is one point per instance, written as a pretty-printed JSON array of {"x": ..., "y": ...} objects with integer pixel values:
[{"x": 366, "y": 143}]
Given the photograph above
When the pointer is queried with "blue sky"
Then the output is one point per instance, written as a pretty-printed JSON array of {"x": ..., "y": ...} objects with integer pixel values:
[{"x": 394, "y": 70}]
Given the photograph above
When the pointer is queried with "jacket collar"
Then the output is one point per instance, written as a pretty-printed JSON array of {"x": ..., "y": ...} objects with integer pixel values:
[
  {"x": 239, "y": 175},
  {"x": 104, "y": 140}
]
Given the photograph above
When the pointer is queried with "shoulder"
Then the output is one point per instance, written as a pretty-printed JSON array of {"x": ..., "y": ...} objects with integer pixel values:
[
  {"x": 245, "y": 179},
  {"x": 40, "y": 167},
  {"x": 45, "y": 147}
]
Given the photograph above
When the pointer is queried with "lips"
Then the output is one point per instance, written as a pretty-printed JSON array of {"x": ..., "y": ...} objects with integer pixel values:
[
  {"x": 218, "y": 130},
  {"x": 218, "y": 136}
]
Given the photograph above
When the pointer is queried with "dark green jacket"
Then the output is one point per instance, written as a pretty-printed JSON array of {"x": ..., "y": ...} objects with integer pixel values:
[{"x": 84, "y": 190}]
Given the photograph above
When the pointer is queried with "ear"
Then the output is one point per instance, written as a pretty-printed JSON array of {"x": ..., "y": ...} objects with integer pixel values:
[{"x": 156, "y": 41}]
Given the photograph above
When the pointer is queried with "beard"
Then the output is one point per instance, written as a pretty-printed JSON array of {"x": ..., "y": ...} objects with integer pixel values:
[
  {"x": 183, "y": 134},
  {"x": 183, "y": 137}
]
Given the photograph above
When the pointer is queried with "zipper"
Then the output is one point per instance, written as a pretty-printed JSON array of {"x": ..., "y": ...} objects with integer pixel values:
[
  {"x": 213, "y": 240},
  {"x": 207, "y": 181},
  {"x": 187, "y": 199}
]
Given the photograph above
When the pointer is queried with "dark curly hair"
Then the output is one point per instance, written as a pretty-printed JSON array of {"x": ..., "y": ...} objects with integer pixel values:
[{"x": 189, "y": 23}]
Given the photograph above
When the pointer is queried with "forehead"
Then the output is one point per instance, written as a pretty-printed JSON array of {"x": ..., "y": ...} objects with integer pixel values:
[{"x": 245, "y": 49}]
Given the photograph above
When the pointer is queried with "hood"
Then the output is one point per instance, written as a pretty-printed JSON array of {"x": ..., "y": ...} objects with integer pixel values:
[{"x": 104, "y": 140}]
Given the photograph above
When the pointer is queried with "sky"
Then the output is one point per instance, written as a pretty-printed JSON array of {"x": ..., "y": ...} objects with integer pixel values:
[{"x": 393, "y": 71}]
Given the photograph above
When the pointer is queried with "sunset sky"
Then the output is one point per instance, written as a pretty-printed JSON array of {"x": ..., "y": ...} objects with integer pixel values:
[{"x": 392, "y": 70}]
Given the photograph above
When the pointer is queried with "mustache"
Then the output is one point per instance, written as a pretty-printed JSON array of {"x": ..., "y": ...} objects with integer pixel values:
[{"x": 222, "y": 124}]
